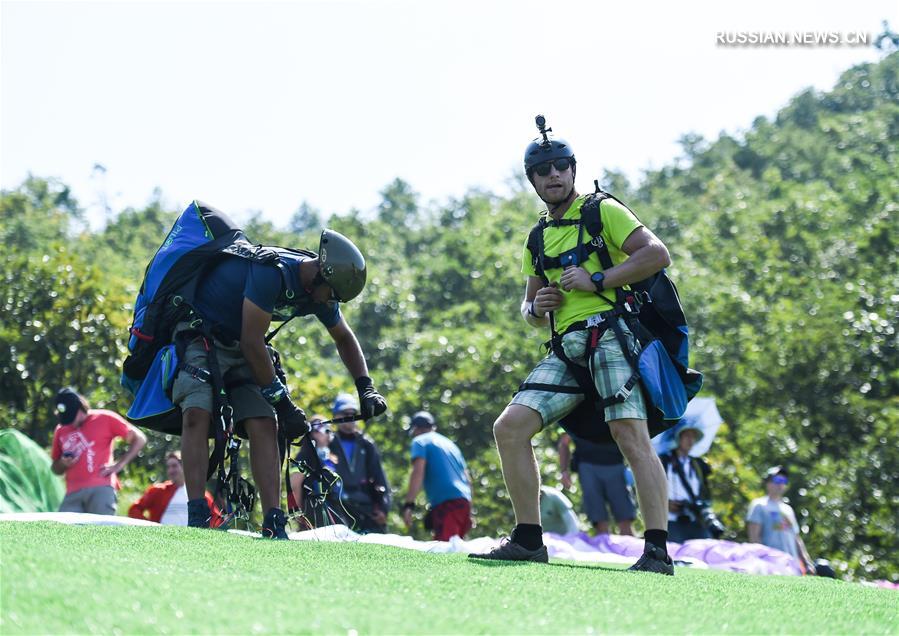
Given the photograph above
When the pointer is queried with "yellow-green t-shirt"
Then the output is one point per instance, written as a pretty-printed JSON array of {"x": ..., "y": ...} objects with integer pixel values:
[{"x": 617, "y": 224}]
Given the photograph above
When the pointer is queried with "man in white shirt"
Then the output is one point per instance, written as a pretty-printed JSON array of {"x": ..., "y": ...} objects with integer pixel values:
[
  {"x": 686, "y": 484},
  {"x": 176, "y": 512},
  {"x": 166, "y": 502}
]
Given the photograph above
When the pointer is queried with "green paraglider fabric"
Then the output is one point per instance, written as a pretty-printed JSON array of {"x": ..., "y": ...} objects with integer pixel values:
[{"x": 26, "y": 482}]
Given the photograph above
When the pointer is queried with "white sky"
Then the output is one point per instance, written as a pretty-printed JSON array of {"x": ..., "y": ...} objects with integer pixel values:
[{"x": 260, "y": 106}]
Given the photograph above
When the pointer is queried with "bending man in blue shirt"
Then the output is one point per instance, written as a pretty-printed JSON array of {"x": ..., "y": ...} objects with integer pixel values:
[{"x": 239, "y": 300}]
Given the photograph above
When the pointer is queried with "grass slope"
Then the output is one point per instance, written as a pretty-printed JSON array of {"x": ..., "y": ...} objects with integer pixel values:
[{"x": 87, "y": 579}]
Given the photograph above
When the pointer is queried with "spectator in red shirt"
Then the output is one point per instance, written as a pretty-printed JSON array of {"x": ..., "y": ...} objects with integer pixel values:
[
  {"x": 82, "y": 450},
  {"x": 166, "y": 502}
]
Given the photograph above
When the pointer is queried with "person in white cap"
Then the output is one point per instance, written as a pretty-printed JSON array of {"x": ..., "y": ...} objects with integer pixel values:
[{"x": 687, "y": 484}]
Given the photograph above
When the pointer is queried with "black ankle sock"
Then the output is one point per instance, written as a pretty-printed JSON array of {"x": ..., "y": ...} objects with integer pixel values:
[
  {"x": 528, "y": 535},
  {"x": 658, "y": 538},
  {"x": 198, "y": 505},
  {"x": 198, "y": 513}
]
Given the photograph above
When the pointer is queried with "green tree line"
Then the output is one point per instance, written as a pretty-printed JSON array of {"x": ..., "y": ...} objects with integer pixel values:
[{"x": 784, "y": 247}]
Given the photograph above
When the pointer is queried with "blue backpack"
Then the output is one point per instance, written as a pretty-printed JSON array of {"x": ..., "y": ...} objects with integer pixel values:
[{"x": 200, "y": 238}]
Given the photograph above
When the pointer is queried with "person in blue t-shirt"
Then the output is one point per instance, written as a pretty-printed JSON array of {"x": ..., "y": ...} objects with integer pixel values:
[
  {"x": 772, "y": 522},
  {"x": 601, "y": 470},
  {"x": 438, "y": 465},
  {"x": 237, "y": 302}
]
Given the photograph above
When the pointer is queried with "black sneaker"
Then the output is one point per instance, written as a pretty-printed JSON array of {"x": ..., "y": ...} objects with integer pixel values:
[
  {"x": 655, "y": 560},
  {"x": 274, "y": 525},
  {"x": 198, "y": 514},
  {"x": 508, "y": 550}
]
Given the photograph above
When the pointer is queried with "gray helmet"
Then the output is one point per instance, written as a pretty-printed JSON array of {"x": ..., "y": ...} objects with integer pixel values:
[
  {"x": 545, "y": 149},
  {"x": 341, "y": 265}
]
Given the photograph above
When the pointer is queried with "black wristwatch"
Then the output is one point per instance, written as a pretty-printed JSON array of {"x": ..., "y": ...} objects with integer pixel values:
[
  {"x": 599, "y": 280},
  {"x": 409, "y": 505}
]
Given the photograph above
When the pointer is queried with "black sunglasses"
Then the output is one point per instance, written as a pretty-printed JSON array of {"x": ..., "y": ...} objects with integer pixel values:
[{"x": 561, "y": 165}]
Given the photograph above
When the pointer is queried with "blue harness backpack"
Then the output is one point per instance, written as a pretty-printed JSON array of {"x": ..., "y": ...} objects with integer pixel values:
[
  {"x": 200, "y": 238},
  {"x": 652, "y": 311}
]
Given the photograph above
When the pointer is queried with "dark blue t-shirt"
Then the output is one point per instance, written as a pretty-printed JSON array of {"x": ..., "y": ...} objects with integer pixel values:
[
  {"x": 592, "y": 453},
  {"x": 220, "y": 295}
]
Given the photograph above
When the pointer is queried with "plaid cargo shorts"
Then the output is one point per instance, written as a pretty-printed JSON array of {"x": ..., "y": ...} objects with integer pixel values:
[{"x": 612, "y": 371}]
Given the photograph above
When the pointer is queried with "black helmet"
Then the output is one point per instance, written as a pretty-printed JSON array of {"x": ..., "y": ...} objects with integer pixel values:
[
  {"x": 545, "y": 149},
  {"x": 341, "y": 265}
]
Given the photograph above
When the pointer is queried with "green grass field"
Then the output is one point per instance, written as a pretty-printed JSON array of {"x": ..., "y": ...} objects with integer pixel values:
[{"x": 87, "y": 579}]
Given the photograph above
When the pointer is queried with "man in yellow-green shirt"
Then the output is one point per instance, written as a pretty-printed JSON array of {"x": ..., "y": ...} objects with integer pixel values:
[{"x": 573, "y": 295}]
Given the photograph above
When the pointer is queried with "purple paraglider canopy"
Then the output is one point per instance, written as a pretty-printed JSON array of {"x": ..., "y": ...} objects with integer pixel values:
[{"x": 748, "y": 558}]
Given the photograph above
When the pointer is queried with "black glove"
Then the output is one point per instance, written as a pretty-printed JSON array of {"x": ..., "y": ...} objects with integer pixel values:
[
  {"x": 372, "y": 402},
  {"x": 291, "y": 418}
]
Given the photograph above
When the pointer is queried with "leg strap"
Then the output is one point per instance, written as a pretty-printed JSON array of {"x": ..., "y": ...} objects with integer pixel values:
[{"x": 202, "y": 375}]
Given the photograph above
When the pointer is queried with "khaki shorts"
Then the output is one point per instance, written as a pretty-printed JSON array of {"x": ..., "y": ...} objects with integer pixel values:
[
  {"x": 612, "y": 372},
  {"x": 96, "y": 500},
  {"x": 245, "y": 396}
]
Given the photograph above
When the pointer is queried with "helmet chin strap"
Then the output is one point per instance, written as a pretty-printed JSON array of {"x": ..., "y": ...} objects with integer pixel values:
[{"x": 555, "y": 204}]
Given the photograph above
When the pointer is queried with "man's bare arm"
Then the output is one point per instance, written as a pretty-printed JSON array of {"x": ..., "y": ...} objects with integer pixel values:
[
  {"x": 646, "y": 256},
  {"x": 349, "y": 349},
  {"x": 254, "y": 325}
]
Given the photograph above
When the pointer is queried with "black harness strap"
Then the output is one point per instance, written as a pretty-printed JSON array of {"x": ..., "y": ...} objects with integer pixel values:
[
  {"x": 202, "y": 375},
  {"x": 679, "y": 471},
  {"x": 625, "y": 391},
  {"x": 581, "y": 375},
  {"x": 576, "y": 255},
  {"x": 318, "y": 484},
  {"x": 221, "y": 413},
  {"x": 238, "y": 493},
  {"x": 274, "y": 332},
  {"x": 540, "y": 255},
  {"x": 557, "y": 388},
  {"x": 221, "y": 409}
]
